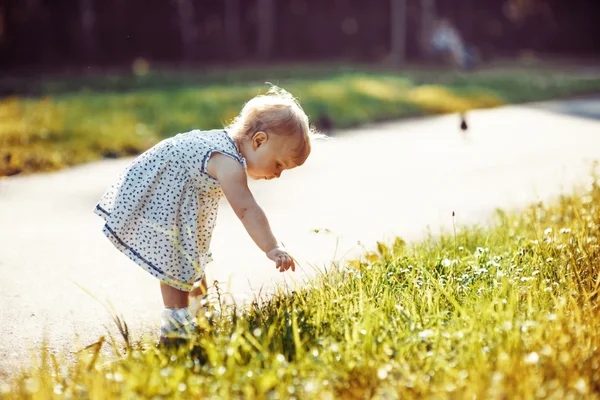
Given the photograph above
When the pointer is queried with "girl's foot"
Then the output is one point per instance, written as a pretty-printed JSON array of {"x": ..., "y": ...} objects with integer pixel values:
[{"x": 177, "y": 323}]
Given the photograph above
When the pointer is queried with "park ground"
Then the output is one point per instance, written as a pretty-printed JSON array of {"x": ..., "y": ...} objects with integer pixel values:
[{"x": 487, "y": 303}]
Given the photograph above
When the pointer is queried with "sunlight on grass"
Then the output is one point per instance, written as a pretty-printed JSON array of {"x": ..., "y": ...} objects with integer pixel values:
[
  {"x": 387, "y": 90},
  {"x": 509, "y": 311},
  {"x": 436, "y": 99},
  {"x": 71, "y": 127},
  {"x": 40, "y": 135}
]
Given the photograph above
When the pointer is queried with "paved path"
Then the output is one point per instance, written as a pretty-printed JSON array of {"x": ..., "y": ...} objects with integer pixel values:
[{"x": 366, "y": 185}]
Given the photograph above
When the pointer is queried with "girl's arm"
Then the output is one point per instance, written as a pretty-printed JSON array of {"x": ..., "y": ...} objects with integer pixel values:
[{"x": 234, "y": 182}]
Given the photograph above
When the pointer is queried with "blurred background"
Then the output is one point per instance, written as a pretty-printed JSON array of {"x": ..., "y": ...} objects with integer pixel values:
[
  {"x": 43, "y": 35},
  {"x": 82, "y": 80}
]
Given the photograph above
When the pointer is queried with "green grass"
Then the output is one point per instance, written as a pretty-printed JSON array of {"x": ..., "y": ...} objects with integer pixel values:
[
  {"x": 57, "y": 122},
  {"x": 506, "y": 311}
]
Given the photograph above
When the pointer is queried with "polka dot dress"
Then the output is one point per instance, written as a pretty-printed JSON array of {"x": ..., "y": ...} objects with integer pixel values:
[{"x": 162, "y": 209}]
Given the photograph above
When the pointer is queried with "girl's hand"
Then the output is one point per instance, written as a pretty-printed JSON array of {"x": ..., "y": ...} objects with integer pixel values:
[{"x": 282, "y": 259}]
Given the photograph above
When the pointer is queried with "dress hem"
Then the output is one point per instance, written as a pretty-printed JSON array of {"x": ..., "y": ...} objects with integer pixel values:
[{"x": 138, "y": 258}]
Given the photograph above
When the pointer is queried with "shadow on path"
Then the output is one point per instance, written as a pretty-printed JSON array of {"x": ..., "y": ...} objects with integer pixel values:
[{"x": 585, "y": 107}]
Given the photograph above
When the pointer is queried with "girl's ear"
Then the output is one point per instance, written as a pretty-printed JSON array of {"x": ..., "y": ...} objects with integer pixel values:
[{"x": 259, "y": 139}]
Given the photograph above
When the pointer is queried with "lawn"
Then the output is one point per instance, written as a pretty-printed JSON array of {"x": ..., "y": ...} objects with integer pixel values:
[
  {"x": 506, "y": 310},
  {"x": 49, "y": 123}
]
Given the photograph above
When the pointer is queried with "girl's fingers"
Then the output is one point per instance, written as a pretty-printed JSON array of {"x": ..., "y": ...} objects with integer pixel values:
[
  {"x": 285, "y": 262},
  {"x": 280, "y": 263}
]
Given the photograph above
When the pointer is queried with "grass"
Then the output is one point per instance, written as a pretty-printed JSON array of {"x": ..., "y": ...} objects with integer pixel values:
[
  {"x": 51, "y": 123},
  {"x": 506, "y": 311}
]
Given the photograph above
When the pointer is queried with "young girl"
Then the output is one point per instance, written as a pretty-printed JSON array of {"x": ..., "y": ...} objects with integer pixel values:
[{"x": 162, "y": 210}]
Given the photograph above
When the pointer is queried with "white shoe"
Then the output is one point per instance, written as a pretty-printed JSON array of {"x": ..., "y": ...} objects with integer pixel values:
[{"x": 177, "y": 323}]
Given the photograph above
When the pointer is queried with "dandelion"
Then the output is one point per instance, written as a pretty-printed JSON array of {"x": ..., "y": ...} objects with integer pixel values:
[
  {"x": 382, "y": 373},
  {"x": 581, "y": 386},
  {"x": 480, "y": 251},
  {"x": 497, "y": 377},
  {"x": 426, "y": 334},
  {"x": 532, "y": 358},
  {"x": 546, "y": 351},
  {"x": 309, "y": 386},
  {"x": 58, "y": 389}
]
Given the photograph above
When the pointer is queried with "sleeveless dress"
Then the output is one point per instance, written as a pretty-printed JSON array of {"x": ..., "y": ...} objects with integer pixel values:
[{"x": 162, "y": 209}]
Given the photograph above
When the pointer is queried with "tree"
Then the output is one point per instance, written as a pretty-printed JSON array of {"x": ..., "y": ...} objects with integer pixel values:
[
  {"x": 266, "y": 25},
  {"x": 427, "y": 21},
  {"x": 187, "y": 30},
  {"x": 398, "y": 31},
  {"x": 88, "y": 21},
  {"x": 232, "y": 27}
]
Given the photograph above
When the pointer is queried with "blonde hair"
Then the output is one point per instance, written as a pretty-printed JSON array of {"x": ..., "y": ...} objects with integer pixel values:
[{"x": 276, "y": 112}]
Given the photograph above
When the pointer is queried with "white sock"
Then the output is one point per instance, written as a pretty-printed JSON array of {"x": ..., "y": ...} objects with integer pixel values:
[{"x": 176, "y": 322}]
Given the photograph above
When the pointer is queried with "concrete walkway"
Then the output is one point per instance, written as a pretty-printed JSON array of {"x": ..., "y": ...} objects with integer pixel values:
[{"x": 368, "y": 184}]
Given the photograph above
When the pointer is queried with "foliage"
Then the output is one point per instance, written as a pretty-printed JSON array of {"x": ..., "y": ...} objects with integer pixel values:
[{"x": 130, "y": 114}]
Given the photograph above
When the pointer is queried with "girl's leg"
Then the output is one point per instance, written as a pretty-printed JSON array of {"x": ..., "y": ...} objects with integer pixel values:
[{"x": 173, "y": 298}]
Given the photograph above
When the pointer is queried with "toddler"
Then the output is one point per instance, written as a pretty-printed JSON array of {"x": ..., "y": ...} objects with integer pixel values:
[{"x": 162, "y": 209}]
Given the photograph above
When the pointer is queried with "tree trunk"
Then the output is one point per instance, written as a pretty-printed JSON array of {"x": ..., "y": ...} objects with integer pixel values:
[
  {"x": 2, "y": 24},
  {"x": 427, "y": 21},
  {"x": 187, "y": 30},
  {"x": 266, "y": 23},
  {"x": 232, "y": 27},
  {"x": 398, "y": 32},
  {"x": 88, "y": 21}
]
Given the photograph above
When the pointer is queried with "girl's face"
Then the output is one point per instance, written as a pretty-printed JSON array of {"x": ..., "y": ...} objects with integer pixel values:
[{"x": 268, "y": 155}]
